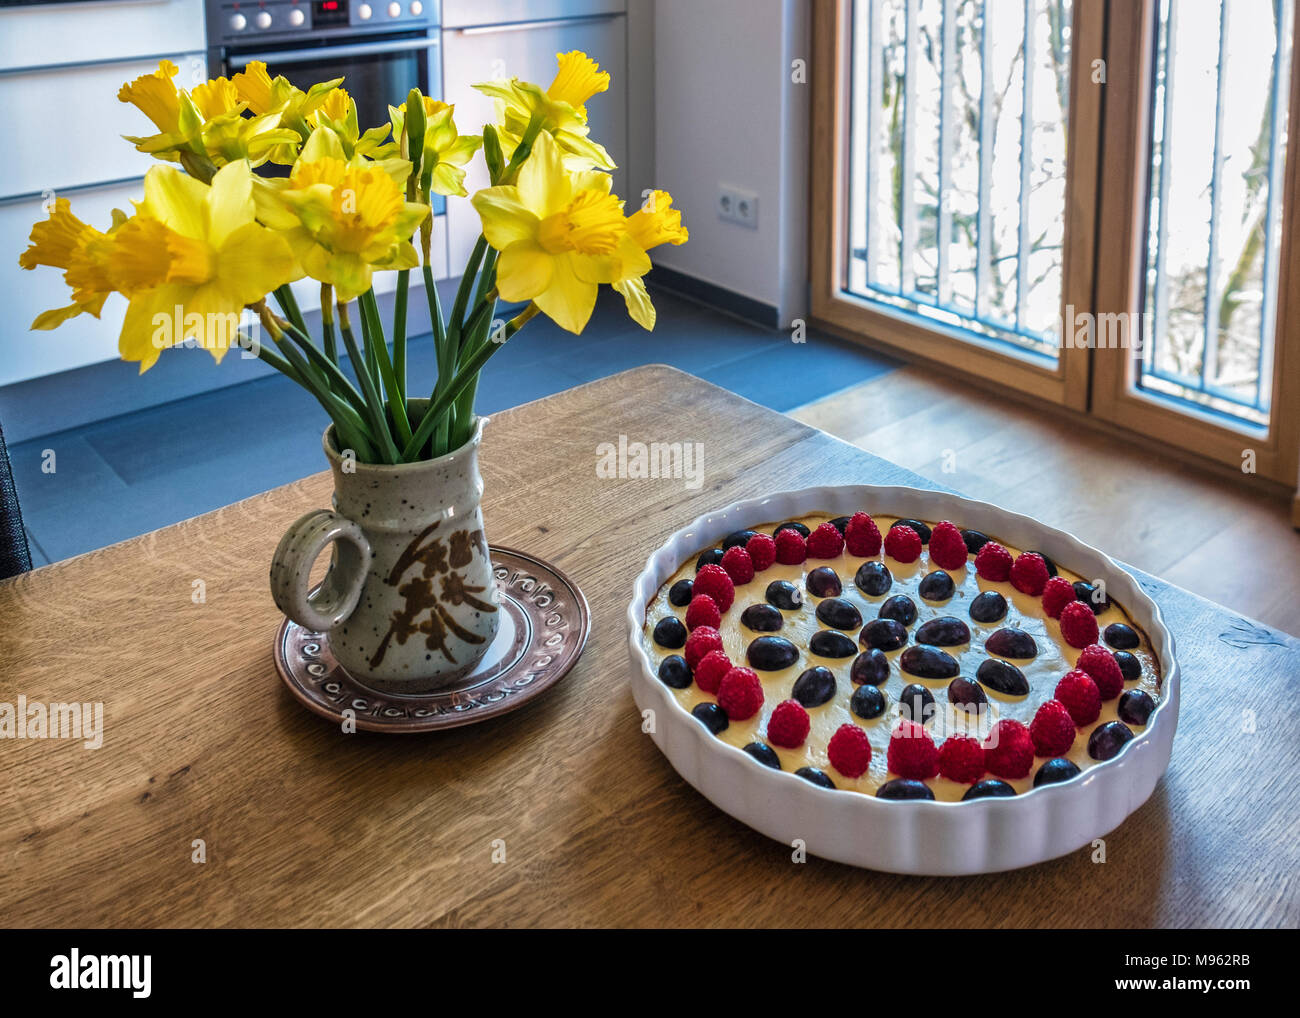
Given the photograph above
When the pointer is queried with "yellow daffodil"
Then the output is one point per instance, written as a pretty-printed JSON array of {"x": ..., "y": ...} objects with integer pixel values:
[
  {"x": 562, "y": 108},
  {"x": 560, "y": 234},
  {"x": 191, "y": 259},
  {"x": 343, "y": 218},
  {"x": 265, "y": 95},
  {"x": 445, "y": 149},
  {"x": 64, "y": 242},
  {"x": 338, "y": 112},
  {"x": 171, "y": 110},
  {"x": 655, "y": 223}
]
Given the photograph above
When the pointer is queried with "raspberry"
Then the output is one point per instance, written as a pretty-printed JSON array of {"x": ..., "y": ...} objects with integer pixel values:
[
  {"x": 788, "y": 726},
  {"x": 703, "y": 611},
  {"x": 1052, "y": 729},
  {"x": 1008, "y": 750},
  {"x": 912, "y": 753},
  {"x": 961, "y": 758},
  {"x": 1029, "y": 573},
  {"x": 849, "y": 750},
  {"x": 762, "y": 551},
  {"x": 825, "y": 542},
  {"x": 1056, "y": 595},
  {"x": 740, "y": 693},
  {"x": 1078, "y": 624},
  {"x": 903, "y": 543},
  {"x": 714, "y": 581},
  {"x": 947, "y": 546},
  {"x": 993, "y": 562},
  {"x": 1100, "y": 663},
  {"x": 790, "y": 548},
  {"x": 1079, "y": 694},
  {"x": 710, "y": 670},
  {"x": 738, "y": 564},
  {"x": 862, "y": 536},
  {"x": 699, "y": 643}
]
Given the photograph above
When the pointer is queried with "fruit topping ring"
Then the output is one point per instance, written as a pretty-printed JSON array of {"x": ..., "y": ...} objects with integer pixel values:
[{"x": 928, "y": 677}]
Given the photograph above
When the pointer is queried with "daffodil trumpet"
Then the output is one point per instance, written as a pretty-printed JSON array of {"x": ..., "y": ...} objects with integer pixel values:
[{"x": 215, "y": 236}]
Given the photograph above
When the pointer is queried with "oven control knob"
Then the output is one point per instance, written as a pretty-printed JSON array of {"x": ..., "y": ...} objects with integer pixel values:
[
  {"x": 364, "y": 12},
  {"x": 296, "y": 18},
  {"x": 264, "y": 19},
  {"x": 238, "y": 22},
  {"x": 394, "y": 10},
  {"x": 417, "y": 9}
]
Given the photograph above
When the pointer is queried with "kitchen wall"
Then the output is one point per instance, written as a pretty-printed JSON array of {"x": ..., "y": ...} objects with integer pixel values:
[{"x": 728, "y": 113}]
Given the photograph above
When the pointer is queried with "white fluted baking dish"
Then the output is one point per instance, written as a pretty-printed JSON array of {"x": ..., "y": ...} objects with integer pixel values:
[{"x": 921, "y": 837}]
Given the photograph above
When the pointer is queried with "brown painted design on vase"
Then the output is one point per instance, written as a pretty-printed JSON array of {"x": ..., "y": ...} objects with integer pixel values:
[{"x": 420, "y": 596}]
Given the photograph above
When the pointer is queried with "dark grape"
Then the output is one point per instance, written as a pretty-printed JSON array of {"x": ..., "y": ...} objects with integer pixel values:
[
  {"x": 822, "y": 582},
  {"x": 1002, "y": 677},
  {"x": 711, "y": 716},
  {"x": 815, "y": 776},
  {"x": 945, "y": 631},
  {"x": 883, "y": 634},
  {"x": 680, "y": 593},
  {"x": 670, "y": 631},
  {"x": 922, "y": 529},
  {"x": 762, "y": 618},
  {"x": 840, "y": 522},
  {"x": 831, "y": 643},
  {"x": 916, "y": 703},
  {"x": 1135, "y": 706},
  {"x": 900, "y": 608},
  {"x": 904, "y": 788},
  {"x": 1087, "y": 593},
  {"x": 928, "y": 663},
  {"x": 867, "y": 702},
  {"x": 1121, "y": 637},
  {"x": 975, "y": 540},
  {"x": 964, "y": 692},
  {"x": 936, "y": 586},
  {"x": 989, "y": 606},
  {"x": 989, "y": 788},
  {"x": 839, "y": 614},
  {"x": 712, "y": 557},
  {"x": 794, "y": 525},
  {"x": 871, "y": 667},
  {"x": 738, "y": 539},
  {"x": 873, "y": 578},
  {"x": 764, "y": 754},
  {"x": 674, "y": 672},
  {"x": 1011, "y": 643},
  {"x": 1051, "y": 566},
  {"x": 1108, "y": 739},
  {"x": 1129, "y": 666},
  {"x": 814, "y": 687},
  {"x": 771, "y": 653},
  {"x": 784, "y": 594},
  {"x": 1056, "y": 770}
]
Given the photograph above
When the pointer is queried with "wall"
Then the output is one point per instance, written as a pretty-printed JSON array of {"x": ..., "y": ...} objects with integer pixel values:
[{"x": 727, "y": 112}]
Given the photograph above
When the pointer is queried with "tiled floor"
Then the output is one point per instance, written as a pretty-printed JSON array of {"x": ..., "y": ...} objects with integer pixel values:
[{"x": 121, "y": 477}]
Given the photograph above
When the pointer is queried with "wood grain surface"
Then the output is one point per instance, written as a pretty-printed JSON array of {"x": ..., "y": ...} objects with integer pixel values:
[{"x": 307, "y": 826}]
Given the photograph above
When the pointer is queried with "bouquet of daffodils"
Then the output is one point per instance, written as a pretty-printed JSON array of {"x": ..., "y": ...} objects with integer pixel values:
[{"x": 212, "y": 239}]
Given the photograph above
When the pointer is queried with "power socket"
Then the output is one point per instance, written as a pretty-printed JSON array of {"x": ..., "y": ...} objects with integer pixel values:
[{"x": 738, "y": 206}]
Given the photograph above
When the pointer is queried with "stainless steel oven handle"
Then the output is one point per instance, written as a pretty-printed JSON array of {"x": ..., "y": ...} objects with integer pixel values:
[
  {"x": 360, "y": 49},
  {"x": 529, "y": 26}
]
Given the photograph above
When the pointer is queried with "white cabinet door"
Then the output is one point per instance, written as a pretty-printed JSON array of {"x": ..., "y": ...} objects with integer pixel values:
[
  {"x": 25, "y": 294},
  {"x": 68, "y": 123},
  {"x": 527, "y": 51},
  {"x": 46, "y": 35}
]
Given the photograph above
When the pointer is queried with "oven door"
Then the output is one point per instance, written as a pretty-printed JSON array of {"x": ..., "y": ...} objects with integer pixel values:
[{"x": 377, "y": 71}]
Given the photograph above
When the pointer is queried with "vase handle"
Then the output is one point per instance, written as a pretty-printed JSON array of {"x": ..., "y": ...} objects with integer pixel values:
[{"x": 291, "y": 566}]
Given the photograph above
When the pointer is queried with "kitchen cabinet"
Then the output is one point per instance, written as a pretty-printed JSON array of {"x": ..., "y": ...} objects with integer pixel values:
[
  {"x": 526, "y": 50},
  {"x": 60, "y": 69}
]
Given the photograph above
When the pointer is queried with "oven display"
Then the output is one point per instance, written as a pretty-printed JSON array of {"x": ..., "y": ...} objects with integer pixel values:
[{"x": 329, "y": 12}]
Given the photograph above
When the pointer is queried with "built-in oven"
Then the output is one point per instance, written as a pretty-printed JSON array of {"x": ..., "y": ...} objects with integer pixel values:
[{"x": 382, "y": 50}]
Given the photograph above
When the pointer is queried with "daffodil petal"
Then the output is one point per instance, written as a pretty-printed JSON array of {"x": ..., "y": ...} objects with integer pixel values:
[
  {"x": 229, "y": 202},
  {"x": 175, "y": 200},
  {"x": 639, "y": 306},
  {"x": 505, "y": 218},
  {"x": 567, "y": 301},
  {"x": 523, "y": 271},
  {"x": 544, "y": 185}
]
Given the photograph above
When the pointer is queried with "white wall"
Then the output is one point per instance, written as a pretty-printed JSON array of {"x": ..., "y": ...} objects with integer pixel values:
[{"x": 727, "y": 112}]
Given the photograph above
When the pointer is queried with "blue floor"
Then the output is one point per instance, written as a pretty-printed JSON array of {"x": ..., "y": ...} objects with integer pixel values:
[{"x": 117, "y": 478}]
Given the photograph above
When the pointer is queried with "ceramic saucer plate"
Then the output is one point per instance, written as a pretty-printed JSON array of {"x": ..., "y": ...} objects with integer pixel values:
[{"x": 544, "y": 626}]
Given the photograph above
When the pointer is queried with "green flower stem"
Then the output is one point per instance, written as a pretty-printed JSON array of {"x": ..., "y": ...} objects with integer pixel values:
[
  {"x": 327, "y": 322},
  {"x": 374, "y": 403},
  {"x": 467, "y": 374},
  {"x": 449, "y": 351},
  {"x": 289, "y": 305},
  {"x": 373, "y": 332},
  {"x": 399, "y": 333},
  {"x": 331, "y": 374},
  {"x": 349, "y": 425},
  {"x": 435, "y": 307}
]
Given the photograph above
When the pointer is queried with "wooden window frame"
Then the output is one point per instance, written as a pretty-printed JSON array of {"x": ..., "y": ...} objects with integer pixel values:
[
  {"x": 1123, "y": 229},
  {"x": 873, "y": 324}
]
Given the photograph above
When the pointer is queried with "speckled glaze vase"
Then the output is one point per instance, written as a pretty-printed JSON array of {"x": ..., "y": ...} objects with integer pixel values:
[{"x": 408, "y": 598}]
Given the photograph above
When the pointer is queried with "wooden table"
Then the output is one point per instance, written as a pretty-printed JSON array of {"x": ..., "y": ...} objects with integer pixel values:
[{"x": 306, "y": 826}]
